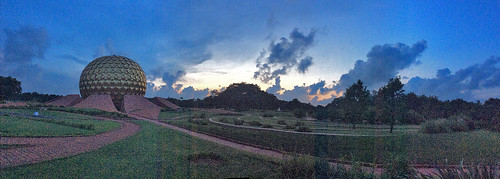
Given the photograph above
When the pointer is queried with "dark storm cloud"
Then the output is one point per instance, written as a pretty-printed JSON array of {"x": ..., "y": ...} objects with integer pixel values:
[
  {"x": 21, "y": 47},
  {"x": 467, "y": 83},
  {"x": 304, "y": 64},
  {"x": 284, "y": 55},
  {"x": 383, "y": 62},
  {"x": 24, "y": 44},
  {"x": 276, "y": 87},
  {"x": 170, "y": 79},
  {"x": 316, "y": 94}
]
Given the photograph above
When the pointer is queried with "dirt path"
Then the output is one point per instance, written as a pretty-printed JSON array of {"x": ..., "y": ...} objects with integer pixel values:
[{"x": 47, "y": 148}]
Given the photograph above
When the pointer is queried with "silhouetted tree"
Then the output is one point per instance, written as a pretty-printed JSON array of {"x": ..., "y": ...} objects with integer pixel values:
[
  {"x": 355, "y": 102},
  {"x": 9, "y": 88},
  {"x": 389, "y": 101}
]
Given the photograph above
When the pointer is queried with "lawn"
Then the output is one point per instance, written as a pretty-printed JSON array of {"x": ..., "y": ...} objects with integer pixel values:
[
  {"x": 154, "y": 152},
  {"x": 21, "y": 122},
  {"x": 471, "y": 147}
]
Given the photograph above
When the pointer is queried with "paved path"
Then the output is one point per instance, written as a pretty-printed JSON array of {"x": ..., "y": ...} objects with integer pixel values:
[{"x": 48, "y": 148}]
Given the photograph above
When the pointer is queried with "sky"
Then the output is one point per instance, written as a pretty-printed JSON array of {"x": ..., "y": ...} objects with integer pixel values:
[{"x": 309, "y": 50}]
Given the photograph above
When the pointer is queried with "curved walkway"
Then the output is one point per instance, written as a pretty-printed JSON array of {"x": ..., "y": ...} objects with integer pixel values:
[
  {"x": 295, "y": 132},
  {"x": 48, "y": 148}
]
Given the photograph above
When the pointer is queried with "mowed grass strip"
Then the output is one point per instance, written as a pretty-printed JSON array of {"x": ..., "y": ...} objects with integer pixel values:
[
  {"x": 20, "y": 126},
  {"x": 471, "y": 147},
  {"x": 154, "y": 152}
]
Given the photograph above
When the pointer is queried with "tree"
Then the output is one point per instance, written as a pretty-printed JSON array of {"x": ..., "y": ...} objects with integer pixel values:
[
  {"x": 9, "y": 87},
  {"x": 390, "y": 102},
  {"x": 355, "y": 102}
]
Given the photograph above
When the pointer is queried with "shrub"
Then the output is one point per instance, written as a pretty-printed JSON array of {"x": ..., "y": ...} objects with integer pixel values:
[
  {"x": 198, "y": 121},
  {"x": 281, "y": 122},
  {"x": 413, "y": 117},
  {"x": 238, "y": 121},
  {"x": 267, "y": 115},
  {"x": 299, "y": 123},
  {"x": 267, "y": 126},
  {"x": 444, "y": 126},
  {"x": 223, "y": 120},
  {"x": 289, "y": 127},
  {"x": 200, "y": 115},
  {"x": 255, "y": 123},
  {"x": 298, "y": 167},
  {"x": 303, "y": 129},
  {"x": 299, "y": 113},
  {"x": 398, "y": 168}
]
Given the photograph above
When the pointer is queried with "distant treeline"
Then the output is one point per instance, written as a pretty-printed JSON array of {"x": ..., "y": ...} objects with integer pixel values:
[
  {"x": 10, "y": 89},
  {"x": 388, "y": 105},
  {"x": 242, "y": 96}
]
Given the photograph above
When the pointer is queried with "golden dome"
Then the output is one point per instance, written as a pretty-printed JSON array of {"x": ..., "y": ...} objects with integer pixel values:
[{"x": 113, "y": 75}]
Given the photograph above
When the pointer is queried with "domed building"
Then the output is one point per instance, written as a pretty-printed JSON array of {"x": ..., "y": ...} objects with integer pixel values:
[
  {"x": 116, "y": 76},
  {"x": 114, "y": 83}
]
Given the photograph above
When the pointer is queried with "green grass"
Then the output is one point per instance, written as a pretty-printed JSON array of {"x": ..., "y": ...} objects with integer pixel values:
[
  {"x": 472, "y": 147},
  {"x": 62, "y": 124},
  {"x": 154, "y": 152}
]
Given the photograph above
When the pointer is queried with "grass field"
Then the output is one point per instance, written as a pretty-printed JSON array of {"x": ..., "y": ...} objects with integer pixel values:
[
  {"x": 154, "y": 152},
  {"x": 471, "y": 147},
  {"x": 20, "y": 122}
]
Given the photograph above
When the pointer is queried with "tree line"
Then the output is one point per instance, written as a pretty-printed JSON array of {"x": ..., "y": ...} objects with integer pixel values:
[
  {"x": 10, "y": 89},
  {"x": 390, "y": 105}
]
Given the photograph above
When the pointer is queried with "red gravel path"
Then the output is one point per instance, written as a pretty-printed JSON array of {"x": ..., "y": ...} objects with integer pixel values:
[{"x": 48, "y": 148}]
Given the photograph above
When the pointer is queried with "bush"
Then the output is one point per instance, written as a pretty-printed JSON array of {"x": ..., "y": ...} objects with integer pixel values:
[
  {"x": 200, "y": 115},
  {"x": 303, "y": 129},
  {"x": 299, "y": 113},
  {"x": 238, "y": 121},
  {"x": 289, "y": 127},
  {"x": 267, "y": 126},
  {"x": 198, "y": 121},
  {"x": 413, "y": 117},
  {"x": 444, "y": 126},
  {"x": 471, "y": 171},
  {"x": 298, "y": 167},
  {"x": 298, "y": 123},
  {"x": 398, "y": 168},
  {"x": 255, "y": 123},
  {"x": 223, "y": 120},
  {"x": 281, "y": 122},
  {"x": 267, "y": 115}
]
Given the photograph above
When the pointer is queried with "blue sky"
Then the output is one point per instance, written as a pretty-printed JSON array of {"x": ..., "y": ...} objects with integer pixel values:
[{"x": 310, "y": 50}]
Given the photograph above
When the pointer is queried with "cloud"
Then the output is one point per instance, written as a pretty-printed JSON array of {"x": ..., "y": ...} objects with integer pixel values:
[
  {"x": 316, "y": 94},
  {"x": 170, "y": 79},
  {"x": 304, "y": 64},
  {"x": 105, "y": 50},
  {"x": 383, "y": 62},
  {"x": 284, "y": 55},
  {"x": 472, "y": 83},
  {"x": 75, "y": 59},
  {"x": 21, "y": 47},
  {"x": 25, "y": 44}
]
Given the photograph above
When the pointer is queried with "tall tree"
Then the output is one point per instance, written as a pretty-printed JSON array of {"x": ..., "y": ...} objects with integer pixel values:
[
  {"x": 356, "y": 102},
  {"x": 390, "y": 102},
  {"x": 9, "y": 87}
]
